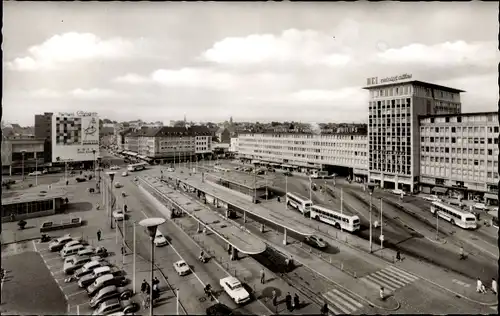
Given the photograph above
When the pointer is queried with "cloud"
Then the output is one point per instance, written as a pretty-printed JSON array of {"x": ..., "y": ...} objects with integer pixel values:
[
  {"x": 70, "y": 47},
  {"x": 95, "y": 94},
  {"x": 45, "y": 94},
  {"x": 315, "y": 95},
  {"x": 445, "y": 54},
  {"x": 131, "y": 79},
  {"x": 292, "y": 46}
]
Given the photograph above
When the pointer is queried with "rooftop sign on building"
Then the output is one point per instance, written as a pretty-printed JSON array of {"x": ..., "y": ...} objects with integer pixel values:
[{"x": 374, "y": 80}]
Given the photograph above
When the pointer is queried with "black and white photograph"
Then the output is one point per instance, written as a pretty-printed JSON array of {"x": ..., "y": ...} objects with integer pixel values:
[{"x": 250, "y": 158}]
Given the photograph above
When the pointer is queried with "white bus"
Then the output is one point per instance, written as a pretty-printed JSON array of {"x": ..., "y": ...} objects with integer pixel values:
[
  {"x": 137, "y": 166},
  {"x": 350, "y": 223},
  {"x": 455, "y": 216},
  {"x": 298, "y": 202}
]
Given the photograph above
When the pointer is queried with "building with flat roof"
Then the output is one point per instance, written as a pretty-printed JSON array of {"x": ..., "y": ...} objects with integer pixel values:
[
  {"x": 31, "y": 203},
  {"x": 308, "y": 151},
  {"x": 459, "y": 155},
  {"x": 22, "y": 155},
  {"x": 393, "y": 126}
]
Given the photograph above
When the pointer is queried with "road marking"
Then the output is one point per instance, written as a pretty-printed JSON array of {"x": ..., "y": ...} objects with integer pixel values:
[
  {"x": 390, "y": 278},
  {"x": 460, "y": 283},
  {"x": 34, "y": 246},
  {"x": 70, "y": 295},
  {"x": 341, "y": 303},
  {"x": 69, "y": 284}
]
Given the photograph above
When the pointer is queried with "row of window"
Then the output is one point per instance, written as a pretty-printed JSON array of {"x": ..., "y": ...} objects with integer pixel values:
[
  {"x": 344, "y": 160},
  {"x": 462, "y": 119},
  {"x": 29, "y": 207},
  {"x": 457, "y": 173},
  {"x": 264, "y": 138},
  {"x": 462, "y": 151},
  {"x": 391, "y": 169},
  {"x": 472, "y": 162},
  {"x": 460, "y": 140}
]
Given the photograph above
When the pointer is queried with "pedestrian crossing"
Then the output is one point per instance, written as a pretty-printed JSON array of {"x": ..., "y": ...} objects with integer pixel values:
[
  {"x": 390, "y": 278},
  {"x": 341, "y": 302}
]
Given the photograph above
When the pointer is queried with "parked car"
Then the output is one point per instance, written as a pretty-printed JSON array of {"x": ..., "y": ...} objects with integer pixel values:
[
  {"x": 233, "y": 287},
  {"x": 398, "y": 192},
  {"x": 114, "y": 168},
  {"x": 170, "y": 169},
  {"x": 59, "y": 243},
  {"x": 124, "y": 173},
  {"x": 480, "y": 206},
  {"x": 432, "y": 198},
  {"x": 89, "y": 268},
  {"x": 34, "y": 173},
  {"x": 160, "y": 240},
  {"x": 287, "y": 173},
  {"x": 70, "y": 251},
  {"x": 315, "y": 241},
  {"x": 96, "y": 273},
  {"x": 110, "y": 292},
  {"x": 181, "y": 267},
  {"x": 80, "y": 179},
  {"x": 75, "y": 262},
  {"x": 118, "y": 215},
  {"x": 115, "y": 305},
  {"x": 103, "y": 281},
  {"x": 219, "y": 309},
  {"x": 118, "y": 185},
  {"x": 101, "y": 251},
  {"x": 87, "y": 251}
]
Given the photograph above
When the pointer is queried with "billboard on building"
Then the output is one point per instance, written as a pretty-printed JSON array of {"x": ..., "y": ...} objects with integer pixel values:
[{"x": 75, "y": 136}]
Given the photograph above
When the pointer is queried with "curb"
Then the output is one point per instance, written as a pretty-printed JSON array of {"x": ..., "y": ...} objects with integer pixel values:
[{"x": 18, "y": 241}]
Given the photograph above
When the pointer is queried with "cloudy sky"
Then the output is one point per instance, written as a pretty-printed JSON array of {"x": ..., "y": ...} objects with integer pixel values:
[{"x": 253, "y": 61}]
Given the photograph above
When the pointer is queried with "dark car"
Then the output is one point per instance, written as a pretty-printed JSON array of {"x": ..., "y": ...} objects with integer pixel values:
[
  {"x": 219, "y": 310},
  {"x": 80, "y": 179},
  {"x": 287, "y": 173}
]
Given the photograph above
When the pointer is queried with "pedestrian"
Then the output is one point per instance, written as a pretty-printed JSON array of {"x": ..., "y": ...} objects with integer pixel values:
[
  {"x": 381, "y": 293},
  {"x": 123, "y": 250},
  {"x": 462, "y": 255},
  {"x": 99, "y": 235},
  {"x": 12, "y": 217},
  {"x": 148, "y": 288},
  {"x": 156, "y": 282},
  {"x": 398, "y": 256},
  {"x": 324, "y": 310},
  {"x": 494, "y": 286},
  {"x": 288, "y": 301},
  {"x": 262, "y": 276},
  {"x": 275, "y": 298},
  {"x": 143, "y": 286},
  {"x": 480, "y": 286},
  {"x": 67, "y": 182},
  {"x": 296, "y": 301}
]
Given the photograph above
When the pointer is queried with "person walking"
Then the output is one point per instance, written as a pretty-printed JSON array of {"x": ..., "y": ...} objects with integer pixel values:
[
  {"x": 480, "y": 286},
  {"x": 381, "y": 293},
  {"x": 324, "y": 310},
  {"x": 398, "y": 256},
  {"x": 143, "y": 286},
  {"x": 494, "y": 286},
  {"x": 288, "y": 301},
  {"x": 462, "y": 255},
  {"x": 296, "y": 301},
  {"x": 123, "y": 250},
  {"x": 275, "y": 298},
  {"x": 262, "y": 276},
  {"x": 99, "y": 235}
]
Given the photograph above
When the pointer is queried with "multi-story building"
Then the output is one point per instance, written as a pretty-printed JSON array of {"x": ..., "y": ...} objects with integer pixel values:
[
  {"x": 146, "y": 141},
  {"x": 202, "y": 140},
  {"x": 132, "y": 141},
  {"x": 22, "y": 154},
  {"x": 393, "y": 131},
  {"x": 120, "y": 138},
  {"x": 308, "y": 151},
  {"x": 233, "y": 147},
  {"x": 43, "y": 130},
  {"x": 459, "y": 154}
]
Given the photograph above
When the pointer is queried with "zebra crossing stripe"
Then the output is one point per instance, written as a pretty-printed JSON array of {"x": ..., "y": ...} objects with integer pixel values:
[
  {"x": 370, "y": 282},
  {"x": 402, "y": 273},
  {"x": 392, "y": 278},
  {"x": 345, "y": 309},
  {"x": 347, "y": 298},
  {"x": 381, "y": 282},
  {"x": 332, "y": 307}
]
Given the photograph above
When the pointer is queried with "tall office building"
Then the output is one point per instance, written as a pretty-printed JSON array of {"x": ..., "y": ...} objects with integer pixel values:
[
  {"x": 43, "y": 130},
  {"x": 395, "y": 105}
]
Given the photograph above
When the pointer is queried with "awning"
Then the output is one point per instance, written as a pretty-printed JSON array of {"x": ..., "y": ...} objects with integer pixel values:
[
  {"x": 439, "y": 190},
  {"x": 286, "y": 166},
  {"x": 491, "y": 196},
  {"x": 274, "y": 164},
  {"x": 132, "y": 154},
  {"x": 255, "y": 161}
]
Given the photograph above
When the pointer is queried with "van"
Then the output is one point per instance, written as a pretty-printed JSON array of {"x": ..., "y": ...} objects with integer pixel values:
[{"x": 71, "y": 251}]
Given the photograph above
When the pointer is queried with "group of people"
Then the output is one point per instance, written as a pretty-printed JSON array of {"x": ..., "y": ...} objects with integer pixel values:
[{"x": 482, "y": 289}]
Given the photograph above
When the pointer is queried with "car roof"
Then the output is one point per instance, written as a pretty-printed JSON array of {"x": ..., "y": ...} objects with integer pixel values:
[
  {"x": 158, "y": 233},
  {"x": 92, "y": 263},
  {"x": 231, "y": 280},
  {"x": 180, "y": 261},
  {"x": 102, "y": 269},
  {"x": 111, "y": 301},
  {"x": 105, "y": 277},
  {"x": 107, "y": 289}
]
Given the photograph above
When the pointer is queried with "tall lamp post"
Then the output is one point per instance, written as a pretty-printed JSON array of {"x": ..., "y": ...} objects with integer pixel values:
[
  {"x": 93, "y": 151},
  {"x": 151, "y": 225},
  {"x": 110, "y": 197},
  {"x": 371, "y": 187},
  {"x": 22, "y": 165}
]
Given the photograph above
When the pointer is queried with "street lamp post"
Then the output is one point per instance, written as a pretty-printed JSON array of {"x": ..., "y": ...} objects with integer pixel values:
[
  {"x": 93, "y": 151},
  {"x": 110, "y": 198},
  {"x": 371, "y": 187},
  {"x": 22, "y": 165},
  {"x": 36, "y": 169},
  {"x": 381, "y": 224},
  {"x": 437, "y": 225},
  {"x": 151, "y": 225}
]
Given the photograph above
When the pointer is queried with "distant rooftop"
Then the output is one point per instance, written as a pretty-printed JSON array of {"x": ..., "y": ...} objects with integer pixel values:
[
  {"x": 414, "y": 82},
  {"x": 459, "y": 114},
  {"x": 32, "y": 195}
]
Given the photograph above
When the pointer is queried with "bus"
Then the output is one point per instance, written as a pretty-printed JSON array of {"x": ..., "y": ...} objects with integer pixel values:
[
  {"x": 298, "y": 202},
  {"x": 137, "y": 166},
  {"x": 221, "y": 169},
  {"x": 455, "y": 216},
  {"x": 350, "y": 223}
]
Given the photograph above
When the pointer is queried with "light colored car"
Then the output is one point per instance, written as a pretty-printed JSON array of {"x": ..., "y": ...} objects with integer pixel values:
[
  {"x": 170, "y": 169},
  {"x": 118, "y": 215},
  {"x": 480, "y": 206},
  {"x": 34, "y": 173},
  {"x": 59, "y": 243},
  {"x": 87, "y": 251},
  {"x": 124, "y": 173},
  {"x": 88, "y": 268},
  {"x": 315, "y": 241},
  {"x": 160, "y": 240},
  {"x": 114, "y": 168},
  {"x": 72, "y": 243},
  {"x": 96, "y": 273},
  {"x": 71, "y": 264},
  {"x": 398, "y": 192},
  {"x": 115, "y": 305},
  {"x": 181, "y": 267},
  {"x": 432, "y": 198},
  {"x": 233, "y": 287},
  {"x": 118, "y": 185}
]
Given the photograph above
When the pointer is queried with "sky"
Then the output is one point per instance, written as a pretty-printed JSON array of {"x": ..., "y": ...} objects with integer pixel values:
[{"x": 252, "y": 61}]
